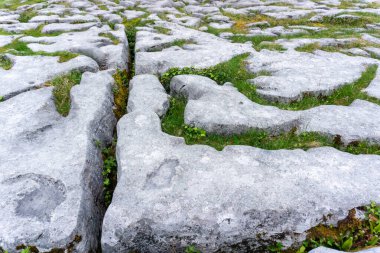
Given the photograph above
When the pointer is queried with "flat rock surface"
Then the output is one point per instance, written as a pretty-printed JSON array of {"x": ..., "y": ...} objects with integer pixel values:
[
  {"x": 180, "y": 195},
  {"x": 51, "y": 184}
]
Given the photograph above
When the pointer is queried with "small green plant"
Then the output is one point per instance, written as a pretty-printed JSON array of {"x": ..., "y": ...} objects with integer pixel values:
[
  {"x": 351, "y": 234},
  {"x": 109, "y": 172},
  {"x": 194, "y": 133},
  {"x": 276, "y": 247},
  {"x": 1, "y": 98},
  {"x": 26, "y": 250},
  {"x": 192, "y": 249}
]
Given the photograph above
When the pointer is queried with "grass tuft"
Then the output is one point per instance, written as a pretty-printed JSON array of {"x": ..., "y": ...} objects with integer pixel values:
[{"x": 62, "y": 86}]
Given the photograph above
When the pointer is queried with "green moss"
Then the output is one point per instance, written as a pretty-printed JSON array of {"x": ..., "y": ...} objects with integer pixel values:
[
  {"x": 5, "y": 62},
  {"x": 62, "y": 87}
]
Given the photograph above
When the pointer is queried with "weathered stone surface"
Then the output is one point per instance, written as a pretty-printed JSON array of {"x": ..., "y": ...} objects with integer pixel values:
[
  {"x": 373, "y": 88},
  {"x": 224, "y": 110},
  {"x": 170, "y": 195},
  {"x": 51, "y": 184},
  {"x": 147, "y": 93},
  {"x": 294, "y": 74},
  {"x": 90, "y": 43},
  {"x": 207, "y": 50},
  {"x": 52, "y": 28},
  {"x": 30, "y": 72}
]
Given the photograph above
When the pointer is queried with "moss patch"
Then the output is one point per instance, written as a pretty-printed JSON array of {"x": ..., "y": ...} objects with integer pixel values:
[{"x": 5, "y": 62}]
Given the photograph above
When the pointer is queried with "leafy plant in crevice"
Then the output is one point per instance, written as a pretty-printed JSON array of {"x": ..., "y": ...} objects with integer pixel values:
[
  {"x": 109, "y": 172},
  {"x": 193, "y": 133},
  {"x": 350, "y": 234},
  {"x": 192, "y": 249},
  {"x": 276, "y": 247}
]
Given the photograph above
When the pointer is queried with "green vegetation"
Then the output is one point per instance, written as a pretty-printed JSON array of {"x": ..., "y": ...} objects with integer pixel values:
[
  {"x": 14, "y": 4},
  {"x": 162, "y": 30},
  {"x": 269, "y": 46},
  {"x": 173, "y": 124},
  {"x": 235, "y": 71},
  {"x": 350, "y": 234},
  {"x": 334, "y": 26},
  {"x": 38, "y": 32},
  {"x": 110, "y": 36},
  {"x": 62, "y": 86},
  {"x": 192, "y": 249},
  {"x": 20, "y": 48},
  {"x": 5, "y": 62},
  {"x": 342, "y": 96},
  {"x": 358, "y": 43},
  {"x": 121, "y": 92},
  {"x": 131, "y": 30},
  {"x": 109, "y": 172},
  {"x": 178, "y": 43},
  {"x": 27, "y": 15}
]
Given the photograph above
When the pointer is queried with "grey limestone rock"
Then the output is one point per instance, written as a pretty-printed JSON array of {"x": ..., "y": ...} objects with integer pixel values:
[
  {"x": 294, "y": 74},
  {"x": 52, "y": 184},
  {"x": 30, "y": 72},
  {"x": 147, "y": 93},
  {"x": 170, "y": 195},
  {"x": 206, "y": 50},
  {"x": 224, "y": 110}
]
